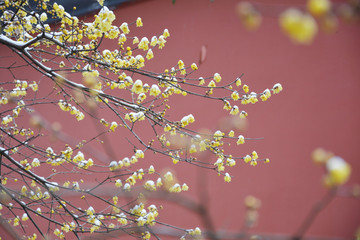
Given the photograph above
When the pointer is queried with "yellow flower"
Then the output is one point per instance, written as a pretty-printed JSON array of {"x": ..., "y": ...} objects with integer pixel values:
[
  {"x": 135, "y": 40},
  {"x": 139, "y": 22},
  {"x": 243, "y": 114},
  {"x": 154, "y": 41},
  {"x": 166, "y": 33},
  {"x": 139, "y": 153},
  {"x": 181, "y": 64},
  {"x": 195, "y": 232},
  {"x": 254, "y": 155},
  {"x": 144, "y": 44},
  {"x": 125, "y": 28},
  {"x": 113, "y": 126},
  {"x": 161, "y": 42},
  {"x": 227, "y": 105},
  {"x": 154, "y": 90},
  {"x": 231, "y": 133},
  {"x": 122, "y": 38},
  {"x": 187, "y": 119},
  {"x": 238, "y": 82},
  {"x": 43, "y": 17},
  {"x": 137, "y": 87},
  {"x": 150, "y": 54},
  {"x": 277, "y": 88},
  {"x": 217, "y": 77},
  {"x": 247, "y": 159},
  {"x": 194, "y": 66},
  {"x": 184, "y": 187},
  {"x": 249, "y": 16},
  {"x": 235, "y": 95},
  {"x": 151, "y": 170},
  {"x": 169, "y": 177},
  {"x": 227, "y": 177},
  {"x": 253, "y": 162},
  {"x": 212, "y": 84},
  {"x": 35, "y": 162},
  {"x": 150, "y": 185},
  {"x": 300, "y": 27},
  {"x": 192, "y": 149},
  {"x": 141, "y": 97},
  {"x": 201, "y": 81},
  {"x": 241, "y": 140},
  {"x": 318, "y": 8},
  {"x": 230, "y": 162},
  {"x": 175, "y": 188},
  {"x": 159, "y": 182},
  {"x": 338, "y": 171},
  {"x": 118, "y": 183},
  {"x": 246, "y": 88}
]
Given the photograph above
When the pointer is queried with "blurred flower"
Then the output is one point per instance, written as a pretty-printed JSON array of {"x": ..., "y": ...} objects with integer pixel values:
[
  {"x": 249, "y": 16},
  {"x": 338, "y": 172},
  {"x": 300, "y": 27},
  {"x": 318, "y": 8}
]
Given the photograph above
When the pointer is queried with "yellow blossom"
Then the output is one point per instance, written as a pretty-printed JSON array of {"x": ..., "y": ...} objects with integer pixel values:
[
  {"x": 247, "y": 158},
  {"x": 338, "y": 172},
  {"x": 137, "y": 87},
  {"x": 194, "y": 67},
  {"x": 243, "y": 114},
  {"x": 318, "y": 8},
  {"x": 227, "y": 177},
  {"x": 153, "y": 41},
  {"x": 118, "y": 183},
  {"x": 241, "y": 140},
  {"x": 139, "y": 153},
  {"x": 125, "y": 28},
  {"x": 246, "y": 88},
  {"x": 151, "y": 169},
  {"x": 231, "y": 133},
  {"x": 201, "y": 81},
  {"x": 212, "y": 84},
  {"x": 168, "y": 176},
  {"x": 192, "y": 149},
  {"x": 139, "y": 22},
  {"x": 196, "y": 232},
  {"x": 150, "y": 185},
  {"x": 181, "y": 64},
  {"x": 217, "y": 77},
  {"x": 144, "y": 44},
  {"x": 135, "y": 40},
  {"x": 254, "y": 155},
  {"x": 277, "y": 88},
  {"x": 184, "y": 187},
  {"x": 238, "y": 82},
  {"x": 166, "y": 33},
  {"x": 235, "y": 95},
  {"x": 150, "y": 54},
  {"x": 113, "y": 126},
  {"x": 300, "y": 27},
  {"x": 154, "y": 90},
  {"x": 175, "y": 188}
]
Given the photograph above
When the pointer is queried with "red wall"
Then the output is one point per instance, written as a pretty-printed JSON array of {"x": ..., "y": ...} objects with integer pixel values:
[{"x": 316, "y": 109}]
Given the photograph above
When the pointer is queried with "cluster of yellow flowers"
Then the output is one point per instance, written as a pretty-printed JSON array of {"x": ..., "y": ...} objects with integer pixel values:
[
  {"x": 126, "y": 162},
  {"x": 67, "y": 107},
  {"x": 337, "y": 169},
  {"x": 300, "y": 26}
]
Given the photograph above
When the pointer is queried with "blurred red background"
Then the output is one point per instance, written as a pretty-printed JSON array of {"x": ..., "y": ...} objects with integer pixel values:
[{"x": 316, "y": 109}]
